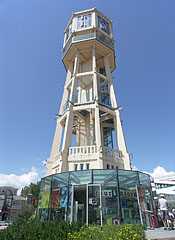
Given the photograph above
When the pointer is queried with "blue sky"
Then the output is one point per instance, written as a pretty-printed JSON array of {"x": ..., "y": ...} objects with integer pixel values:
[{"x": 32, "y": 78}]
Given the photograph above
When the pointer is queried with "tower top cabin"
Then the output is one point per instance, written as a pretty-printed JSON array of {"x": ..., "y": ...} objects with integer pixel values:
[{"x": 83, "y": 30}]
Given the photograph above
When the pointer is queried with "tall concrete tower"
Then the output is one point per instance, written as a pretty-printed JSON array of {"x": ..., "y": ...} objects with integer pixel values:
[{"x": 88, "y": 132}]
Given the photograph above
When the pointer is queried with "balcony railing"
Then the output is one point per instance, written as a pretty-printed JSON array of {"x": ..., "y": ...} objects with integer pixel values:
[
  {"x": 82, "y": 150},
  {"x": 110, "y": 152}
]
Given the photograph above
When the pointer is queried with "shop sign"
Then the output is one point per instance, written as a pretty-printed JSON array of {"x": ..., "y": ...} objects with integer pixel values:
[
  {"x": 125, "y": 193},
  {"x": 93, "y": 201}
]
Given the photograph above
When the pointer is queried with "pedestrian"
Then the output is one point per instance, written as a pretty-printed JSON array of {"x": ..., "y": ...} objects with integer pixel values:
[
  {"x": 172, "y": 221},
  {"x": 163, "y": 206},
  {"x": 173, "y": 212}
]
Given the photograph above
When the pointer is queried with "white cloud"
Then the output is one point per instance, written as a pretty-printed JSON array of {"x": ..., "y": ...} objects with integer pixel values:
[
  {"x": 157, "y": 172},
  {"x": 160, "y": 172},
  {"x": 135, "y": 168},
  {"x": 20, "y": 181}
]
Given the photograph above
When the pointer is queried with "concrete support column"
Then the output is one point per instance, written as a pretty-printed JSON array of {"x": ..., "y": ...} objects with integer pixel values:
[
  {"x": 97, "y": 116},
  {"x": 70, "y": 116},
  {"x": 58, "y": 132},
  {"x": 121, "y": 140},
  {"x": 117, "y": 122},
  {"x": 111, "y": 86}
]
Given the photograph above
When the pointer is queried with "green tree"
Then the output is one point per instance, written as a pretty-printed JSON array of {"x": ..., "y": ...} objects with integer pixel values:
[
  {"x": 33, "y": 188},
  {"x": 24, "y": 214}
]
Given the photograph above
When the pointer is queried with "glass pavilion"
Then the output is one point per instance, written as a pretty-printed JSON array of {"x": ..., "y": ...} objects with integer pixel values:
[{"x": 97, "y": 196}]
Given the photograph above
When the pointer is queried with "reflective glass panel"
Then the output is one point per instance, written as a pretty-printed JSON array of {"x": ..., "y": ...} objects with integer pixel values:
[
  {"x": 60, "y": 179},
  {"x": 129, "y": 205},
  {"x": 144, "y": 179},
  {"x": 94, "y": 204},
  {"x": 105, "y": 177},
  {"x": 81, "y": 177},
  {"x": 69, "y": 31},
  {"x": 44, "y": 198},
  {"x": 105, "y": 99},
  {"x": 79, "y": 204},
  {"x": 128, "y": 178},
  {"x": 83, "y": 21},
  {"x": 103, "y": 25}
]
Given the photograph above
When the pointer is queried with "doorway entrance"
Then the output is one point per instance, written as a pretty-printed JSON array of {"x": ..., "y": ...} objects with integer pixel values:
[{"x": 86, "y": 204}]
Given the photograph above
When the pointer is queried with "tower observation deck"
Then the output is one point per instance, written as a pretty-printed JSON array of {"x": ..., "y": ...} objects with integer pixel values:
[{"x": 88, "y": 133}]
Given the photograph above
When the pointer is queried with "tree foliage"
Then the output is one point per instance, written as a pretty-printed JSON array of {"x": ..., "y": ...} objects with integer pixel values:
[
  {"x": 24, "y": 214},
  {"x": 33, "y": 188}
]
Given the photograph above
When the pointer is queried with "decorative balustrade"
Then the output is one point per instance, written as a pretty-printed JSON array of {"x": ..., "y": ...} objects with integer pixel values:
[
  {"x": 82, "y": 150},
  {"x": 110, "y": 152}
]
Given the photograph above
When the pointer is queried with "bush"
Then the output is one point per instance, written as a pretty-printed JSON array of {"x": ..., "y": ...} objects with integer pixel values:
[
  {"x": 24, "y": 214},
  {"x": 36, "y": 230},
  {"x": 112, "y": 232},
  {"x": 52, "y": 230}
]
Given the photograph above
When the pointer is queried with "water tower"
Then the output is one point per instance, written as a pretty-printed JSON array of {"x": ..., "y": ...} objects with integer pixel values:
[{"x": 89, "y": 132}]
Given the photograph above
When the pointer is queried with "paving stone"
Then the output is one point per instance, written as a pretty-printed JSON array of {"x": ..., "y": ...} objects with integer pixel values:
[{"x": 160, "y": 233}]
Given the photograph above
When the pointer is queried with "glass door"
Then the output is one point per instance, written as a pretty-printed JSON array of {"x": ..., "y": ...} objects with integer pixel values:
[
  {"x": 94, "y": 206},
  {"x": 78, "y": 204}
]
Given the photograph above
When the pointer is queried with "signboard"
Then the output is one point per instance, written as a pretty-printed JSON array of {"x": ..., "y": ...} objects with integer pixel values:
[
  {"x": 128, "y": 194},
  {"x": 93, "y": 201}
]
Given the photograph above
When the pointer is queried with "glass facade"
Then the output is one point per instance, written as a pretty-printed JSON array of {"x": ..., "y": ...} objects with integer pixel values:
[{"x": 109, "y": 196}]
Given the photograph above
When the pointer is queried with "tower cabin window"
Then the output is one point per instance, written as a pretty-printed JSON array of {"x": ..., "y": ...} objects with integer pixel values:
[
  {"x": 69, "y": 31},
  {"x": 103, "y": 25},
  {"x": 83, "y": 21}
]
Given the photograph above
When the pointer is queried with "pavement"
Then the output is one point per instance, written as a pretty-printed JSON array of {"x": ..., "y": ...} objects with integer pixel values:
[
  {"x": 160, "y": 233},
  {"x": 2, "y": 227}
]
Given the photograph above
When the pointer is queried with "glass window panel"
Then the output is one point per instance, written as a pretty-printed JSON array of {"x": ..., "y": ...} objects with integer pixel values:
[
  {"x": 128, "y": 178},
  {"x": 104, "y": 88},
  {"x": 110, "y": 204},
  {"x": 103, "y": 25},
  {"x": 75, "y": 167},
  {"x": 105, "y": 99},
  {"x": 105, "y": 177},
  {"x": 81, "y": 177},
  {"x": 144, "y": 179},
  {"x": 87, "y": 166},
  {"x": 83, "y": 21},
  {"x": 60, "y": 179},
  {"x": 44, "y": 198},
  {"x": 81, "y": 167},
  {"x": 129, "y": 205},
  {"x": 69, "y": 31},
  {"x": 107, "y": 135}
]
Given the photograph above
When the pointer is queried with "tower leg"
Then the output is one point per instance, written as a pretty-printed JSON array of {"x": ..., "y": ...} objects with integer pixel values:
[
  {"x": 58, "y": 132},
  {"x": 97, "y": 115},
  {"x": 69, "y": 119}
]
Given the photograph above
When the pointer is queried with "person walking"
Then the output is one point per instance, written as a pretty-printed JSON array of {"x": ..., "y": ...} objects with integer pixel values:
[{"x": 163, "y": 206}]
